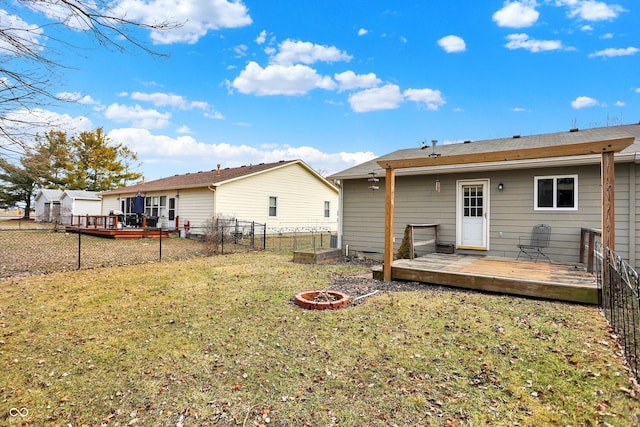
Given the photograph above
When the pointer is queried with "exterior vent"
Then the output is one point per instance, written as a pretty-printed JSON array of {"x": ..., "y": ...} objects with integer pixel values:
[
  {"x": 574, "y": 130},
  {"x": 516, "y": 136},
  {"x": 468, "y": 141}
]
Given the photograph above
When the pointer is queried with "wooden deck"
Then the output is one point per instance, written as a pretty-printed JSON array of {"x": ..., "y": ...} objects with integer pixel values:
[
  {"x": 122, "y": 233},
  {"x": 557, "y": 281}
]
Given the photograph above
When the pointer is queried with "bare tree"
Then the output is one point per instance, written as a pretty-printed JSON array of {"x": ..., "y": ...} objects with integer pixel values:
[{"x": 29, "y": 55}]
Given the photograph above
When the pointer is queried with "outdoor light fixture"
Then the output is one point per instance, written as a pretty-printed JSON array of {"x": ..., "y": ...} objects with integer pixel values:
[
  {"x": 500, "y": 186},
  {"x": 373, "y": 186},
  {"x": 437, "y": 185}
]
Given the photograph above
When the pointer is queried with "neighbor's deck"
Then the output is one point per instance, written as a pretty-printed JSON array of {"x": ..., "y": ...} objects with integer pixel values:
[
  {"x": 122, "y": 233},
  {"x": 558, "y": 281}
]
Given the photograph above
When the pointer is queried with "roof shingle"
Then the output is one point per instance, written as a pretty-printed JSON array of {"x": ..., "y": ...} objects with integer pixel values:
[{"x": 200, "y": 179}]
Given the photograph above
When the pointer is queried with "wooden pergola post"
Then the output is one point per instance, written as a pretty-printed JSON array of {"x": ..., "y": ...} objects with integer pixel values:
[
  {"x": 606, "y": 148},
  {"x": 390, "y": 189},
  {"x": 607, "y": 175}
]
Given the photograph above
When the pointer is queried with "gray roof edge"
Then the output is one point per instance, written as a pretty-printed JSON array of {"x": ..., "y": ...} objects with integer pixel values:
[{"x": 493, "y": 166}]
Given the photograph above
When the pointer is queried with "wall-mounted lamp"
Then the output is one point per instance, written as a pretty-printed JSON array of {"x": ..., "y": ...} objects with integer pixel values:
[
  {"x": 501, "y": 186},
  {"x": 437, "y": 185},
  {"x": 373, "y": 182}
]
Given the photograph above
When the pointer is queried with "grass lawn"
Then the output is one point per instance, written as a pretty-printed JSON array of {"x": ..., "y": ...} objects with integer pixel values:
[{"x": 215, "y": 341}]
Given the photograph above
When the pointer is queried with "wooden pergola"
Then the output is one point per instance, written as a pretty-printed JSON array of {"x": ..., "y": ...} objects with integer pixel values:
[{"x": 606, "y": 148}]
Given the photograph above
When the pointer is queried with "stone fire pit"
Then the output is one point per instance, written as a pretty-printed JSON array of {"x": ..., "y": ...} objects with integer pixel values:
[{"x": 321, "y": 300}]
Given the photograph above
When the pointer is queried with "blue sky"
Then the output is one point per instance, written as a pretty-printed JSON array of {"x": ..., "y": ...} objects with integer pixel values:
[{"x": 336, "y": 83}]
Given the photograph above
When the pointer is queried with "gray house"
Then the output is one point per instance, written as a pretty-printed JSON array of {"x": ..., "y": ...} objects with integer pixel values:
[{"x": 484, "y": 208}]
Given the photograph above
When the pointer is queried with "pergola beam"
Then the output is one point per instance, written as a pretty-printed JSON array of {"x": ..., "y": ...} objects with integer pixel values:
[{"x": 606, "y": 148}]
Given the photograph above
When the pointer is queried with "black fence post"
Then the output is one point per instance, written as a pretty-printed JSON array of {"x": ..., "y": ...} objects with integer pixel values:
[
  {"x": 222, "y": 239},
  {"x": 253, "y": 231},
  {"x": 264, "y": 239},
  {"x": 160, "y": 244}
]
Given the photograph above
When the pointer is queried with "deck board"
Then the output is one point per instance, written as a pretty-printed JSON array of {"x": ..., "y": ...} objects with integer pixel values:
[{"x": 561, "y": 281}]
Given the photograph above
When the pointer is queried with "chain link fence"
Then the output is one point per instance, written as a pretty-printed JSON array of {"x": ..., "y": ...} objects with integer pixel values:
[{"x": 28, "y": 248}]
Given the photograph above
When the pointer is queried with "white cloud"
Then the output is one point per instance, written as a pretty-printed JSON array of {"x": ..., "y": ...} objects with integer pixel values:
[
  {"x": 517, "y": 14},
  {"x": 362, "y": 32},
  {"x": 431, "y": 98},
  {"x": 196, "y": 17},
  {"x": 583, "y": 102},
  {"x": 33, "y": 121},
  {"x": 137, "y": 116},
  {"x": 184, "y": 129},
  {"x": 522, "y": 41},
  {"x": 586, "y": 28},
  {"x": 77, "y": 97},
  {"x": 592, "y": 10},
  {"x": 620, "y": 104},
  {"x": 293, "y": 52},
  {"x": 262, "y": 37},
  {"x": 520, "y": 110},
  {"x": 213, "y": 114},
  {"x": 638, "y": 90},
  {"x": 241, "y": 50},
  {"x": 381, "y": 98},
  {"x": 452, "y": 44},
  {"x": 611, "y": 52},
  {"x": 161, "y": 154},
  {"x": 280, "y": 80},
  {"x": 160, "y": 99},
  {"x": 14, "y": 27},
  {"x": 607, "y": 36},
  {"x": 350, "y": 80}
]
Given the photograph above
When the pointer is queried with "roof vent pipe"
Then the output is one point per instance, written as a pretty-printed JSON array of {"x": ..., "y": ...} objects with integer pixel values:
[
  {"x": 218, "y": 169},
  {"x": 433, "y": 148}
]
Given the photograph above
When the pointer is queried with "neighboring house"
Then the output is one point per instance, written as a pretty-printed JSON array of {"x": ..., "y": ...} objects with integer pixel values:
[
  {"x": 281, "y": 194},
  {"x": 48, "y": 205},
  {"x": 58, "y": 205},
  {"x": 483, "y": 208},
  {"x": 79, "y": 203}
]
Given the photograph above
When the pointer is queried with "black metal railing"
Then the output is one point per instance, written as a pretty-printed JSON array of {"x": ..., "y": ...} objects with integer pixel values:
[{"x": 619, "y": 286}]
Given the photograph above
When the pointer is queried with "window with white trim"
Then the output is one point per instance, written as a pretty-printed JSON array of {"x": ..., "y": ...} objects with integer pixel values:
[
  {"x": 273, "y": 206},
  {"x": 555, "y": 193},
  {"x": 327, "y": 209}
]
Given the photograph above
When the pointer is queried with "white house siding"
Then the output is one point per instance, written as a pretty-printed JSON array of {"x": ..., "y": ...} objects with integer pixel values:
[
  {"x": 511, "y": 211},
  {"x": 300, "y": 195},
  {"x": 110, "y": 203},
  {"x": 196, "y": 206}
]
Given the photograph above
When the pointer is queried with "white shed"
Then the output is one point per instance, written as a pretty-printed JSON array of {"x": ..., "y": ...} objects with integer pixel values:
[
  {"x": 79, "y": 202},
  {"x": 48, "y": 205}
]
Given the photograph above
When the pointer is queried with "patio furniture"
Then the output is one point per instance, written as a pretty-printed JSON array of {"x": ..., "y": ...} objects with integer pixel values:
[{"x": 534, "y": 244}]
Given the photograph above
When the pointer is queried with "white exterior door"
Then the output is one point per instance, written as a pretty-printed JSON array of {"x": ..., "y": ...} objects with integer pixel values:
[{"x": 472, "y": 215}]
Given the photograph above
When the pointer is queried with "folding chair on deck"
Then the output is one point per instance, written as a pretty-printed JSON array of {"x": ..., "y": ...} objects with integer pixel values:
[{"x": 534, "y": 244}]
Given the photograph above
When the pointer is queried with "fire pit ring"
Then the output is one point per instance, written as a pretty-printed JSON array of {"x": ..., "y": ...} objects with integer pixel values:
[{"x": 322, "y": 300}]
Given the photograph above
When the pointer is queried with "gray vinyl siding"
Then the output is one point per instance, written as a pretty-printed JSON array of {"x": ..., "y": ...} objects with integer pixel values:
[{"x": 511, "y": 211}]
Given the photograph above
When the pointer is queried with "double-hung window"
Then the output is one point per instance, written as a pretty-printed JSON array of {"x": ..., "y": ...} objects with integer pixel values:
[
  {"x": 556, "y": 192},
  {"x": 273, "y": 206},
  {"x": 327, "y": 209}
]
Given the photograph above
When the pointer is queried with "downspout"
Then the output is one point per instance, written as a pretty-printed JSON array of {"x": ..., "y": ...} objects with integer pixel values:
[
  {"x": 340, "y": 215},
  {"x": 212, "y": 188},
  {"x": 632, "y": 215}
]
